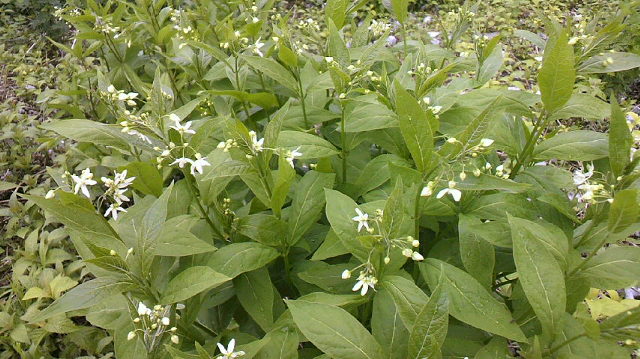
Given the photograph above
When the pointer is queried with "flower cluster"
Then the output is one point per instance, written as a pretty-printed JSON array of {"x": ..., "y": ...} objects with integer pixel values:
[
  {"x": 255, "y": 145},
  {"x": 588, "y": 191},
  {"x": 152, "y": 324},
  {"x": 407, "y": 246},
  {"x": 378, "y": 28},
  {"x": 366, "y": 278},
  {"x": 116, "y": 188},
  {"x": 119, "y": 95}
]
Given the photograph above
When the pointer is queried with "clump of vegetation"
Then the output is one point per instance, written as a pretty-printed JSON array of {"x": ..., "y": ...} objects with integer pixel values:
[{"x": 277, "y": 180}]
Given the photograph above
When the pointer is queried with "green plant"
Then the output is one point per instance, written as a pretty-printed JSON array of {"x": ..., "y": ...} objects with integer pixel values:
[{"x": 236, "y": 181}]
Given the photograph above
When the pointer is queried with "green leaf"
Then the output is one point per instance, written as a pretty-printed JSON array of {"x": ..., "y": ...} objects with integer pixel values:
[
  {"x": 579, "y": 145},
  {"x": 5, "y": 186},
  {"x": 282, "y": 343},
  {"x": 387, "y": 327},
  {"x": 478, "y": 255},
  {"x": 175, "y": 239},
  {"x": 96, "y": 133},
  {"x": 308, "y": 203},
  {"x": 256, "y": 295},
  {"x": 336, "y": 10},
  {"x": 582, "y": 106},
  {"x": 366, "y": 113},
  {"x": 148, "y": 179},
  {"x": 83, "y": 296},
  {"x": 340, "y": 210},
  {"x": 620, "y": 140},
  {"x": 309, "y": 145},
  {"x": 274, "y": 70},
  {"x": 541, "y": 277},
  {"x": 282, "y": 183},
  {"x": 557, "y": 75},
  {"x": 78, "y": 214},
  {"x": 237, "y": 258},
  {"x": 337, "y": 49},
  {"x": 190, "y": 282},
  {"x": 492, "y": 64},
  {"x": 407, "y": 296},
  {"x": 263, "y": 228},
  {"x": 610, "y": 62},
  {"x": 497, "y": 348},
  {"x": 415, "y": 128},
  {"x": 624, "y": 210},
  {"x": 228, "y": 168},
  {"x": 334, "y": 331},
  {"x": 400, "y": 9},
  {"x": 614, "y": 268},
  {"x": 430, "y": 327},
  {"x": 469, "y": 302}
]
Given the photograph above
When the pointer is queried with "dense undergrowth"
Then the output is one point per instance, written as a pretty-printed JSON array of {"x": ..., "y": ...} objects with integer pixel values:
[{"x": 344, "y": 180}]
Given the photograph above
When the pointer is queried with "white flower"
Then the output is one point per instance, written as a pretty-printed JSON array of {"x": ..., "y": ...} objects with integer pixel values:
[
  {"x": 256, "y": 143},
  {"x": 346, "y": 274},
  {"x": 416, "y": 256},
  {"x": 580, "y": 177},
  {"x": 85, "y": 179},
  {"x": 257, "y": 46},
  {"x": 182, "y": 129},
  {"x": 456, "y": 194},
  {"x": 182, "y": 161},
  {"x": 291, "y": 155},
  {"x": 362, "y": 219},
  {"x": 198, "y": 164},
  {"x": 113, "y": 209},
  {"x": 363, "y": 283},
  {"x": 111, "y": 89},
  {"x": 486, "y": 142},
  {"x": 228, "y": 353},
  {"x": 328, "y": 59},
  {"x": 143, "y": 310},
  {"x": 427, "y": 190}
]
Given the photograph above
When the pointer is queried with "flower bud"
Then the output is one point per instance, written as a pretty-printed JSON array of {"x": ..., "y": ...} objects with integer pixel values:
[
  {"x": 131, "y": 335},
  {"x": 346, "y": 274},
  {"x": 387, "y": 260}
]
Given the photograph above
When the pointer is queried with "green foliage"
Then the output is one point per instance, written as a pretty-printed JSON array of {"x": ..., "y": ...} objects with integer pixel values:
[{"x": 237, "y": 174}]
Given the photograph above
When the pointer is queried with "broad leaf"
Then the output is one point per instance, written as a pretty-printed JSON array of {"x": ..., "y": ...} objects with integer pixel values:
[{"x": 190, "y": 282}]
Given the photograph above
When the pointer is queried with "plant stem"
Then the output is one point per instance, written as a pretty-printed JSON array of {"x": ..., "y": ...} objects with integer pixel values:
[
  {"x": 523, "y": 157},
  {"x": 302, "y": 98},
  {"x": 343, "y": 145},
  {"x": 192, "y": 191}
]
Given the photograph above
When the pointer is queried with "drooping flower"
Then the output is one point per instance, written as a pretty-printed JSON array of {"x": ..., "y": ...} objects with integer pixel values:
[
  {"x": 362, "y": 219},
  {"x": 228, "y": 352},
  {"x": 85, "y": 179},
  {"x": 182, "y": 129},
  {"x": 427, "y": 190},
  {"x": 364, "y": 283},
  {"x": 256, "y": 143},
  {"x": 198, "y": 164},
  {"x": 291, "y": 155},
  {"x": 182, "y": 161},
  {"x": 113, "y": 209},
  {"x": 456, "y": 194}
]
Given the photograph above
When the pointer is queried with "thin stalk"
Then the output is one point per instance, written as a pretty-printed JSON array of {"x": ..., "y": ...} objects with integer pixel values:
[
  {"x": 192, "y": 190},
  {"x": 302, "y": 98},
  {"x": 523, "y": 157},
  {"x": 343, "y": 145},
  {"x": 404, "y": 39}
]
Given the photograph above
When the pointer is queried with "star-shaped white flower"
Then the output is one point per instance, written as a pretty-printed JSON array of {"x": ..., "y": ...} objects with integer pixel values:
[
  {"x": 85, "y": 179},
  {"x": 291, "y": 155},
  {"x": 364, "y": 283},
  {"x": 182, "y": 129},
  {"x": 113, "y": 209},
  {"x": 456, "y": 194},
  {"x": 198, "y": 164},
  {"x": 182, "y": 161},
  {"x": 256, "y": 143},
  {"x": 228, "y": 353},
  {"x": 362, "y": 219}
]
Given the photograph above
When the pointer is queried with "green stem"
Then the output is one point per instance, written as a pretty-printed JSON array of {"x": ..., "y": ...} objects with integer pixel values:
[
  {"x": 343, "y": 145},
  {"x": 566, "y": 342},
  {"x": 404, "y": 40},
  {"x": 523, "y": 157},
  {"x": 192, "y": 191},
  {"x": 302, "y": 98}
]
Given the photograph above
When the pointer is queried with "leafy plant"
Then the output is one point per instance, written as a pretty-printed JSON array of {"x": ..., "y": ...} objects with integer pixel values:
[{"x": 241, "y": 189}]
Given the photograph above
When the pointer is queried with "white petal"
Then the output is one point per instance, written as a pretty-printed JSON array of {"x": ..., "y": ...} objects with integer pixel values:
[
  {"x": 222, "y": 349},
  {"x": 456, "y": 194},
  {"x": 442, "y": 193},
  {"x": 365, "y": 289},
  {"x": 231, "y": 346},
  {"x": 358, "y": 285}
]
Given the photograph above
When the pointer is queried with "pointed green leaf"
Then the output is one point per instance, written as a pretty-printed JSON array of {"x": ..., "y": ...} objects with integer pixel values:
[{"x": 190, "y": 282}]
